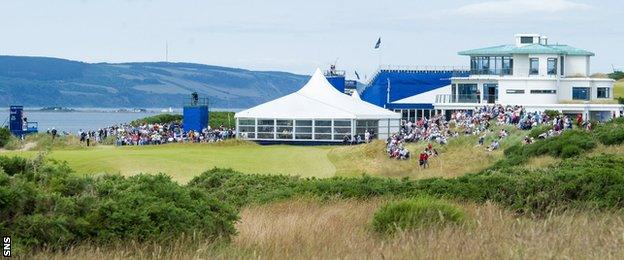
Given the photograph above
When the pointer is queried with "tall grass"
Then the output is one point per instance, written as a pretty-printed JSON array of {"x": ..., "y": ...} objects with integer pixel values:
[{"x": 304, "y": 229}]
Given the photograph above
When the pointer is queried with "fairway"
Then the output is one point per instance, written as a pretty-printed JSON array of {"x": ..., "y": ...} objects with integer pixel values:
[{"x": 184, "y": 161}]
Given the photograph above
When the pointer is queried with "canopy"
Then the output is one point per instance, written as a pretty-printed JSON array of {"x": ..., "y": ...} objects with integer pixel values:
[{"x": 318, "y": 99}]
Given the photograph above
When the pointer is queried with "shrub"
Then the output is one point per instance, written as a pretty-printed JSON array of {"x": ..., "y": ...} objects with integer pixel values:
[
  {"x": 536, "y": 131},
  {"x": 416, "y": 213},
  {"x": 158, "y": 119},
  {"x": 42, "y": 204},
  {"x": 611, "y": 133},
  {"x": 552, "y": 113},
  {"x": 5, "y": 136}
]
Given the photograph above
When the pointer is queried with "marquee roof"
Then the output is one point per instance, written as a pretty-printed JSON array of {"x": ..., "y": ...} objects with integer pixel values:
[{"x": 318, "y": 99}]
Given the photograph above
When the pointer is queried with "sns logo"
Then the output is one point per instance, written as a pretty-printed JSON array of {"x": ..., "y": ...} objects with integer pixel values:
[{"x": 6, "y": 246}]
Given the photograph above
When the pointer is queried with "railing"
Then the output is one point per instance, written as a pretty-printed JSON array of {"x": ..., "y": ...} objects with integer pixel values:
[
  {"x": 195, "y": 102},
  {"x": 465, "y": 98},
  {"x": 495, "y": 72},
  {"x": 423, "y": 68},
  {"x": 335, "y": 73}
]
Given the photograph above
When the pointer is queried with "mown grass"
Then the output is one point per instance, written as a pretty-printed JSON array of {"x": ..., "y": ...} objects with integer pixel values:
[
  {"x": 184, "y": 161},
  {"x": 341, "y": 229},
  {"x": 618, "y": 89}
]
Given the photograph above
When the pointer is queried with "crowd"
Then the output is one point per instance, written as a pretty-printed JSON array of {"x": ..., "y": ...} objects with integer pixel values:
[
  {"x": 437, "y": 129},
  {"x": 150, "y": 134}
]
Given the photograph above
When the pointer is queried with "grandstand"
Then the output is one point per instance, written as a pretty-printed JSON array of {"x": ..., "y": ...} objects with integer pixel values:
[{"x": 410, "y": 91}]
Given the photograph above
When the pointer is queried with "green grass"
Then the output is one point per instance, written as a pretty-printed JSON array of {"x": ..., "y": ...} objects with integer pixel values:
[
  {"x": 618, "y": 89},
  {"x": 184, "y": 161}
]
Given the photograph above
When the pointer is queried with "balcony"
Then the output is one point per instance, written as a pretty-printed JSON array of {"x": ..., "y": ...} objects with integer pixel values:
[
  {"x": 492, "y": 72},
  {"x": 469, "y": 99}
]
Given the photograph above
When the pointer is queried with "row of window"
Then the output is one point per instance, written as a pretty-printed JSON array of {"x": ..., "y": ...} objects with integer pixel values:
[
  {"x": 551, "y": 66},
  {"x": 494, "y": 65},
  {"x": 578, "y": 93},
  {"x": 533, "y": 91},
  {"x": 303, "y": 129}
]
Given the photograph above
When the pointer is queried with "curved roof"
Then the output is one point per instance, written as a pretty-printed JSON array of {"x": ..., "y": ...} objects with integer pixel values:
[
  {"x": 511, "y": 49},
  {"x": 318, "y": 99}
]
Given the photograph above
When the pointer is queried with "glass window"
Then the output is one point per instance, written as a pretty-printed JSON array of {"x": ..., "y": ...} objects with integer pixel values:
[
  {"x": 246, "y": 129},
  {"x": 303, "y": 136},
  {"x": 515, "y": 91},
  {"x": 533, "y": 66},
  {"x": 284, "y": 122},
  {"x": 246, "y": 121},
  {"x": 552, "y": 66},
  {"x": 580, "y": 93},
  {"x": 467, "y": 93},
  {"x": 372, "y": 126},
  {"x": 322, "y": 123},
  {"x": 603, "y": 92},
  {"x": 303, "y": 122},
  {"x": 266, "y": 121},
  {"x": 543, "y": 91},
  {"x": 507, "y": 68},
  {"x": 526, "y": 39},
  {"x": 561, "y": 61},
  {"x": 342, "y": 123}
]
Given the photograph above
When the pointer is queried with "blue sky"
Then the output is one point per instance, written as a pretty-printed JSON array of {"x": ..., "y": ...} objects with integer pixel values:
[{"x": 298, "y": 36}]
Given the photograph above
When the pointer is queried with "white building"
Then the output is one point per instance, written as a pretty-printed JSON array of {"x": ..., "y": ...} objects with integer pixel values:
[
  {"x": 317, "y": 113},
  {"x": 535, "y": 74}
]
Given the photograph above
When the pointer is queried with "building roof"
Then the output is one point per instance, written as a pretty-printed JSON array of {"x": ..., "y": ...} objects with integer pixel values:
[
  {"x": 318, "y": 99},
  {"x": 510, "y": 49}
]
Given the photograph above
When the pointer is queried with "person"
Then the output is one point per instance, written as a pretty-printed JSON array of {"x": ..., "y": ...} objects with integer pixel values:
[
  {"x": 367, "y": 136},
  {"x": 494, "y": 146},
  {"x": 54, "y": 133},
  {"x": 423, "y": 159},
  {"x": 481, "y": 140}
]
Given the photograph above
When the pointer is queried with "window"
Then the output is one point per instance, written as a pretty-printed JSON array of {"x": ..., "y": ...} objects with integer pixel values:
[
  {"x": 515, "y": 91},
  {"x": 603, "y": 92},
  {"x": 552, "y": 66},
  {"x": 284, "y": 129},
  {"x": 341, "y": 128},
  {"x": 561, "y": 62},
  {"x": 322, "y": 130},
  {"x": 266, "y": 128},
  {"x": 526, "y": 40},
  {"x": 363, "y": 125},
  {"x": 533, "y": 66},
  {"x": 467, "y": 93},
  {"x": 495, "y": 65},
  {"x": 580, "y": 93},
  {"x": 543, "y": 91},
  {"x": 303, "y": 129}
]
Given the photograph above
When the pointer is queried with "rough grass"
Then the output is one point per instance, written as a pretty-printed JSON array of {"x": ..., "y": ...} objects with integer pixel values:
[
  {"x": 303, "y": 229},
  {"x": 458, "y": 157}
]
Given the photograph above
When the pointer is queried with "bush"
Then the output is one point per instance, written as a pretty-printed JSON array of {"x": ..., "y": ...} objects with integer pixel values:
[
  {"x": 5, "y": 136},
  {"x": 158, "y": 119},
  {"x": 43, "y": 205},
  {"x": 611, "y": 133},
  {"x": 536, "y": 131},
  {"x": 416, "y": 213},
  {"x": 552, "y": 113}
]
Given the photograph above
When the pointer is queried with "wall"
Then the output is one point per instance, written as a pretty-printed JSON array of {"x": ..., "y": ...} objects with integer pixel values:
[{"x": 576, "y": 65}]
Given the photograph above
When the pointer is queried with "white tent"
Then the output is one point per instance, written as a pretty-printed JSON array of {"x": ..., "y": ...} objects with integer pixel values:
[{"x": 316, "y": 112}]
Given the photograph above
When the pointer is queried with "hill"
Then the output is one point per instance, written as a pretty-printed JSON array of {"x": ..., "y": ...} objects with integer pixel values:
[{"x": 41, "y": 81}]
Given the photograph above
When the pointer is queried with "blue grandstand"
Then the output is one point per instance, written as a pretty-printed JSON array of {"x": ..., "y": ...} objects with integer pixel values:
[{"x": 409, "y": 88}]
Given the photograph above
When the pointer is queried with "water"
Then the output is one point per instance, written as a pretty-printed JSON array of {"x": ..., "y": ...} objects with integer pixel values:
[{"x": 72, "y": 122}]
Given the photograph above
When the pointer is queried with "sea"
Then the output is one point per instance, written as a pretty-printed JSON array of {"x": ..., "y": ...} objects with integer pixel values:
[{"x": 83, "y": 118}]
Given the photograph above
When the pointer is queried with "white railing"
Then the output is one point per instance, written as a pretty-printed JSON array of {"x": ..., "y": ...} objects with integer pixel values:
[{"x": 424, "y": 68}]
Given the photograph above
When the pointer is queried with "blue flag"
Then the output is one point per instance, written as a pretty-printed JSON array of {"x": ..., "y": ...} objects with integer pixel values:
[
  {"x": 378, "y": 44},
  {"x": 357, "y": 75}
]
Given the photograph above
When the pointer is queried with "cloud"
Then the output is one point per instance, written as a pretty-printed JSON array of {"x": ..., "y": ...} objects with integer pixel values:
[{"x": 521, "y": 7}]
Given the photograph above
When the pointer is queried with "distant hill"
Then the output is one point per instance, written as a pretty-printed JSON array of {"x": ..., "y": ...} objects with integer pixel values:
[{"x": 40, "y": 81}]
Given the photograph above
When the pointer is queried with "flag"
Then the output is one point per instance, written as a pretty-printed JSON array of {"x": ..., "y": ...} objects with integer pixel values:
[
  {"x": 378, "y": 44},
  {"x": 357, "y": 75}
]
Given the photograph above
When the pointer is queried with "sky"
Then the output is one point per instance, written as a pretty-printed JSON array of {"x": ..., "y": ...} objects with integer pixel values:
[{"x": 299, "y": 36}]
